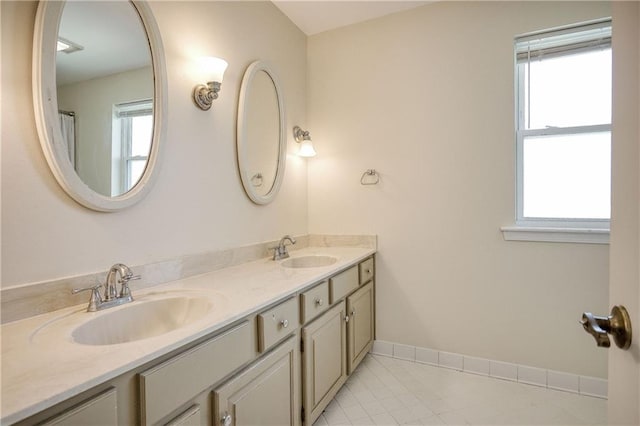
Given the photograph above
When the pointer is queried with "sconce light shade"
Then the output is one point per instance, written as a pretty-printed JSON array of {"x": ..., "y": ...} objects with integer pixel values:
[
  {"x": 306, "y": 149},
  {"x": 213, "y": 68},
  {"x": 304, "y": 139}
]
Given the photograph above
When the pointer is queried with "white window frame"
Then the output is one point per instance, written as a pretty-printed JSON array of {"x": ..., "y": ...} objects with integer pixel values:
[
  {"x": 575, "y": 230},
  {"x": 122, "y": 116}
]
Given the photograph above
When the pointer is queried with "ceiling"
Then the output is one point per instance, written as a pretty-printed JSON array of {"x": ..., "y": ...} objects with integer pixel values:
[
  {"x": 112, "y": 39},
  {"x": 314, "y": 17}
]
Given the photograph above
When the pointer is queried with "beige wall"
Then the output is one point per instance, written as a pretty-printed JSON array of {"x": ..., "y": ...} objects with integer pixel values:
[
  {"x": 197, "y": 203},
  {"x": 426, "y": 98}
]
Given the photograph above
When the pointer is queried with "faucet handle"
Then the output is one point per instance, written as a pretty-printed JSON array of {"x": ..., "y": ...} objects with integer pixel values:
[
  {"x": 129, "y": 277},
  {"x": 95, "y": 299},
  {"x": 93, "y": 288},
  {"x": 125, "y": 291}
]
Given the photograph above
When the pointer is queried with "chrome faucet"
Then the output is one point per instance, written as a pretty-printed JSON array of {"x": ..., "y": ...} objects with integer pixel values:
[
  {"x": 111, "y": 295},
  {"x": 111, "y": 291},
  {"x": 280, "y": 251}
]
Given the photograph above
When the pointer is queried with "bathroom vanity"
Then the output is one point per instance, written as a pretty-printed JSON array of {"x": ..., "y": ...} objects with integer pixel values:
[{"x": 274, "y": 345}]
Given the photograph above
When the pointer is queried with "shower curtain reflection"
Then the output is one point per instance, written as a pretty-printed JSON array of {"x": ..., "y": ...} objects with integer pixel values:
[{"x": 68, "y": 127}]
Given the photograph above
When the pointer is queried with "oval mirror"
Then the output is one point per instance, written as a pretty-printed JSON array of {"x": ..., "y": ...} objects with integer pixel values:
[
  {"x": 261, "y": 142},
  {"x": 98, "y": 97}
]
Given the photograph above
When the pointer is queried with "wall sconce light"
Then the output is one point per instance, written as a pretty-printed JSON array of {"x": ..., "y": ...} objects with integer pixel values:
[
  {"x": 213, "y": 69},
  {"x": 304, "y": 139}
]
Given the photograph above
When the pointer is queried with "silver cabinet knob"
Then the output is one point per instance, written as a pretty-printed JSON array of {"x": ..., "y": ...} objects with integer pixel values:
[
  {"x": 353, "y": 313},
  {"x": 319, "y": 302},
  {"x": 226, "y": 419},
  {"x": 284, "y": 323},
  {"x": 346, "y": 318}
]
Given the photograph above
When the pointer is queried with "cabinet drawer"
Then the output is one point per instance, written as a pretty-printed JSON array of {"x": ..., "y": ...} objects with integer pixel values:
[
  {"x": 366, "y": 270},
  {"x": 343, "y": 284},
  {"x": 277, "y": 323},
  {"x": 100, "y": 410},
  {"x": 167, "y": 386},
  {"x": 313, "y": 302}
]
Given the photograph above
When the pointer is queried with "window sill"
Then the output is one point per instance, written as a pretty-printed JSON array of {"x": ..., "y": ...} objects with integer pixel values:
[{"x": 555, "y": 235}]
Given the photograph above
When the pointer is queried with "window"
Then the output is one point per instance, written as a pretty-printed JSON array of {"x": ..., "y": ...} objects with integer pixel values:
[
  {"x": 132, "y": 133},
  {"x": 563, "y": 137}
]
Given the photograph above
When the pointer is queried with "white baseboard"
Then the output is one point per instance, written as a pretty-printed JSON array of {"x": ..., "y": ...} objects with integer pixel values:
[{"x": 583, "y": 385}]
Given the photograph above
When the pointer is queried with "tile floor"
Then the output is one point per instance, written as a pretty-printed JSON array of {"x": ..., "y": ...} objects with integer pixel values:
[{"x": 388, "y": 391}]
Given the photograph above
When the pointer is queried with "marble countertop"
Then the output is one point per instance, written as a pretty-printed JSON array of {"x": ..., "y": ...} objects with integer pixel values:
[{"x": 42, "y": 365}]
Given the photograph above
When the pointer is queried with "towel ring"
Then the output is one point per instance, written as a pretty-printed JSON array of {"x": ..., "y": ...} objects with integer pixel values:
[
  {"x": 370, "y": 177},
  {"x": 256, "y": 180}
]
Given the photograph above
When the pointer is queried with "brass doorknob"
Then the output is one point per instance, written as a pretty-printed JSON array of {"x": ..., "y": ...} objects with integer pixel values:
[{"x": 618, "y": 325}]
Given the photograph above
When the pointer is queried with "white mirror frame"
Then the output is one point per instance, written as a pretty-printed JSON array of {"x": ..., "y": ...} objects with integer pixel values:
[
  {"x": 245, "y": 91},
  {"x": 45, "y": 102}
]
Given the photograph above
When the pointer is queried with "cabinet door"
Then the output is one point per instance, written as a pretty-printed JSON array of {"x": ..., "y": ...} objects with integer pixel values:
[
  {"x": 324, "y": 363},
  {"x": 360, "y": 325},
  {"x": 264, "y": 394}
]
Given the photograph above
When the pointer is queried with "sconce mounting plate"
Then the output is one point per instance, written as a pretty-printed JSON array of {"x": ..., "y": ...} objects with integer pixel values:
[{"x": 204, "y": 95}]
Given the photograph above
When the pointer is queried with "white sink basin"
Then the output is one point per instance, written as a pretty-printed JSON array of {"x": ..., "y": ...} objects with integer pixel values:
[
  {"x": 311, "y": 261},
  {"x": 141, "y": 320}
]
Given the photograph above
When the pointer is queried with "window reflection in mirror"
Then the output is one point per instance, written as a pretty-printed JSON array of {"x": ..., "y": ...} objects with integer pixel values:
[
  {"x": 101, "y": 80},
  {"x": 131, "y": 131}
]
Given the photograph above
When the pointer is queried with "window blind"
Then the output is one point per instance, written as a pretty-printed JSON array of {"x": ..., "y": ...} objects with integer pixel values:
[
  {"x": 568, "y": 40},
  {"x": 134, "y": 109}
]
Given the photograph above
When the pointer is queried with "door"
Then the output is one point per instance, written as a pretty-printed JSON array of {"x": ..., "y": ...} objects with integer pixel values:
[{"x": 624, "y": 278}]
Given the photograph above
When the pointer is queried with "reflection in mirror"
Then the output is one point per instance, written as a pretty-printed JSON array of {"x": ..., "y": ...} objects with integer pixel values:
[
  {"x": 261, "y": 142},
  {"x": 98, "y": 96},
  {"x": 105, "y": 89},
  {"x": 263, "y": 128}
]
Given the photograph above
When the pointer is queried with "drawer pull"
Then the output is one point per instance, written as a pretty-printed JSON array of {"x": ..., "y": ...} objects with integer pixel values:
[
  {"x": 226, "y": 419},
  {"x": 319, "y": 302},
  {"x": 284, "y": 323},
  {"x": 346, "y": 318}
]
